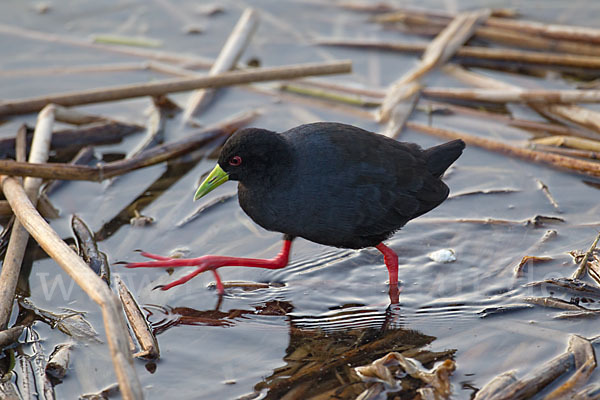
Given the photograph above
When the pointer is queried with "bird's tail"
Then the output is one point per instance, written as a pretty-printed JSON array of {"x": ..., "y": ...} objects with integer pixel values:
[{"x": 440, "y": 157}]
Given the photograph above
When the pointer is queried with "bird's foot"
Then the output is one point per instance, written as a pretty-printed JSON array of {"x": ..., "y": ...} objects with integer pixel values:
[
  {"x": 185, "y": 278},
  {"x": 211, "y": 263},
  {"x": 204, "y": 263}
]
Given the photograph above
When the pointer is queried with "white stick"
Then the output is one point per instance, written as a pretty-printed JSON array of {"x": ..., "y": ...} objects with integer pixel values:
[
  {"x": 11, "y": 267},
  {"x": 232, "y": 50}
]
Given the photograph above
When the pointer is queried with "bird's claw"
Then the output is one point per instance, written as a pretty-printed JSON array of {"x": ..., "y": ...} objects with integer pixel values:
[{"x": 202, "y": 264}]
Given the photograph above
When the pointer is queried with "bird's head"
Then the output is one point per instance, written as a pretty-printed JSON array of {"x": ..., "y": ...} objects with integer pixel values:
[{"x": 251, "y": 156}]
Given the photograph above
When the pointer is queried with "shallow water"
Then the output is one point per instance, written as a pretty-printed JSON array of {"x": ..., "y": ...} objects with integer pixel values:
[{"x": 327, "y": 297}]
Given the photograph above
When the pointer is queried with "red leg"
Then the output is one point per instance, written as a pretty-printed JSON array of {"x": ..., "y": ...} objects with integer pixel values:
[
  {"x": 220, "y": 287},
  {"x": 211, "y": 263},
  {"x": 391, "y": 262}
]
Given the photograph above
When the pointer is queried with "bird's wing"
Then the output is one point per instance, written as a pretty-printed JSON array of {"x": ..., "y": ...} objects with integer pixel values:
[{"x": 407, "y": 190}]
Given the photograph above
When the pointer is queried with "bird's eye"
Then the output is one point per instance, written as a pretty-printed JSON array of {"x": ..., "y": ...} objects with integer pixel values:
[{"x": 235, "y": 161}]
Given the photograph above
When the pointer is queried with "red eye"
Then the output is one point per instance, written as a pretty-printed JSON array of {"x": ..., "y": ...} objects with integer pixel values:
[{"x": 235, "y": 161}]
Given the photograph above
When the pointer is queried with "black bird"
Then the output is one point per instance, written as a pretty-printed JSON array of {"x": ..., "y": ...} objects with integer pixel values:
[{"x": 329, "y": 183}]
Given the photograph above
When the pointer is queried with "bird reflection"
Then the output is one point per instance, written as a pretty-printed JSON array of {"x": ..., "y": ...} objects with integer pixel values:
[
  {"x": 323, "y": 349},
  {"x": 170, "y": 317}
]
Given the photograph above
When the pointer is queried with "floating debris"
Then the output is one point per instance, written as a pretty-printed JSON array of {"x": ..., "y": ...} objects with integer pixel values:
[
  {"x": 439, "y": 378},
  {"x": 10, "y": 336},
  {"x": 541, "y": 220},
  {"x": 71, "y": 323},
  {"x": 578, "y": 314},
  {"x": 484, "y": 191},
  {"x": 529, "y": 260},
  {"x": 58, "y": 362},
  {"x": 579, "y": 356},
  {"x": 546, "y": 191},
  {"x": 42, "y": 7},
  {"x": 510, "y": 308},
  {"x": 193, "y": 29},
  {"x": 8, "y": 390},
  {"x": 138, "y": 220},
  {"x": 583, "y": 266},
  {"x": 574, "y": 286},
  {"x": 209, "y": 9},
  {"x": 105, "y": 394},
  {"x": 137, "y": 322},
  {"x": 88, "y": 249},
  {"x": 443, "y": 256},
  {"x": 38, "y": 362},
  {"x": 553, "y": 302}
]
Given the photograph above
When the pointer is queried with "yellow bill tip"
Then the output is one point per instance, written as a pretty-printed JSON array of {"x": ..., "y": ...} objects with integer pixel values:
[{"x": 216, "y": 178}]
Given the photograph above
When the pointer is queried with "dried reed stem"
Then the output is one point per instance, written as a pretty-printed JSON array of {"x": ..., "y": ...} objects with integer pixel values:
[
  {"x": 230, "y": 53},
  {"x": 173, "y": 85},
  {"x": 515, "y": 95},
  {"x": 486, "y": 53},
  {"x": 130, "y": 51},
  {"x": 546, "y": 127},
  {"x": 69, "y": 70},
  {"x": 149, "y": 157},
  {"x": 568, "y": 141},
  {"x": 524, "y": 34},
  {"x": 74, "y": 117},
  {"x": 567, "y": 152},
  {"x": 21, "y": 144},
  {"x": 11, "y": 267},
  {"x": 505, "y": 387},
  {"x": 438, "y": 51},
  {"x": 561, "y": 162},
  {"x": 583, "y": 265},
  {"x": 575, "y": 114},
  {"x": 77, "y": 269},
  {"x": 570, "y": 32},
  {"x": 97, "y": 133},
  {"x": 143, "y": 333}
]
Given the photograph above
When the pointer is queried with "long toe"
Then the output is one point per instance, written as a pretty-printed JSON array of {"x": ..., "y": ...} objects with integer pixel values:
[
  {"x": 181, "y": 281},
  {"x": 154, "y": 256},
  {"x": 147, "y": 264}
]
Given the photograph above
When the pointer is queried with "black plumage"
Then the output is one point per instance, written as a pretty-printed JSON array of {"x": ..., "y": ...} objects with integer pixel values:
[
  {"x": 335, "y": 184},
  {"x": 330, "y": 183}
]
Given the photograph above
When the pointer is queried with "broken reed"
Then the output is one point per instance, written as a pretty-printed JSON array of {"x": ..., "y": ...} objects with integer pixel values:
[
  {"x": 478, "y": 52},
  {"x": 153, "y": 156},
  {"x": 23, "y": 106},
  {"x": 554, "y": 160},
  {"x": 518, "y": 33}
]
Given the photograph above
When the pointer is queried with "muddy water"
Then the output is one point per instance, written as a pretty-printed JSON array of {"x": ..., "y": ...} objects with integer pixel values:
[{"x": 249, "y": 340}]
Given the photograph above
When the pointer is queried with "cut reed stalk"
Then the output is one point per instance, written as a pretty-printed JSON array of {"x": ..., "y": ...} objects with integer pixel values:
[
  {"x": 147, "y": 54},
  {"x": 173, "y": 85},
  {"x": 476, "y": 52},
  {"x": 439, "y": 50},
  {"x": 575, "y": 114},
  {"x": 561, "y": 162},
  {"x": 149, "y": 157},
  {"x": 228, "y": 57}
]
